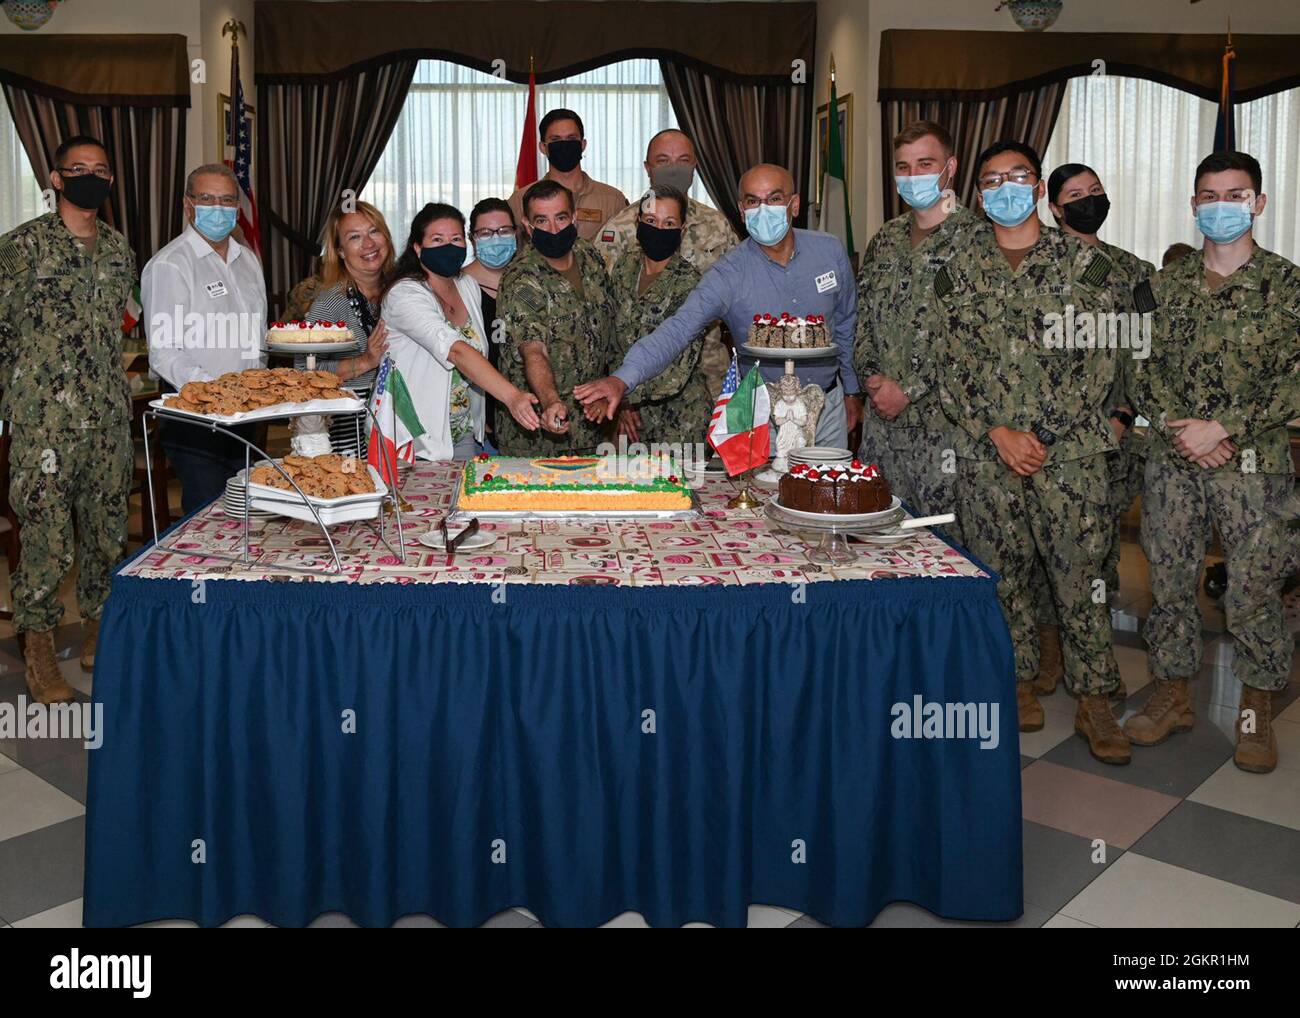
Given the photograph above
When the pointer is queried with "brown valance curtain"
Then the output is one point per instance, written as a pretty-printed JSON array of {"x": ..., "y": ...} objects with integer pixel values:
[
  {"x": 99, "y": 70},
  {"x": 301, "y": 39},
  {"x": 69, "y": 85},
  {"x": 735, "y": 126},
  {"x": 318, "y": 143},
  {"x": 924, "y": 64}
]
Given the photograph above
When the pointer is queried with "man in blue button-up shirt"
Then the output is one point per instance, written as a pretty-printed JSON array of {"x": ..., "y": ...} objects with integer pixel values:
[{"x": 776, "y": 269}]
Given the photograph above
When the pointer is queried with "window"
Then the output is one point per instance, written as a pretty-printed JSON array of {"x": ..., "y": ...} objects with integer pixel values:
[
  {"x": 20, "y": 195},
  {"x": 1145, "y": 141},
  {"x": 457, "y": 139}
]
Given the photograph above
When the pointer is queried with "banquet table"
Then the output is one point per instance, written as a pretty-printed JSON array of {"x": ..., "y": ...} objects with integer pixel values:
[{"x": 679, "y": 718}]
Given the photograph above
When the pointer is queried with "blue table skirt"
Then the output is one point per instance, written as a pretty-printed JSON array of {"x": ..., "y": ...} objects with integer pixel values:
[{"x": 499, "y": 757}]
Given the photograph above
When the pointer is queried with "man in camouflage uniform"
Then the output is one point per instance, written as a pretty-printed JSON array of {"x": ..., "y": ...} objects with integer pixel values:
[
  {"x": 558, "y": 312},
  {"x": 64, "y": 281},
  {"x": 1032, "y": 413},
  {"x": 905, "y": 431},
  {"x": 670, "y": 161},
  {"x": 673, "y": 408},
  {"x": 1080, "y": 205},
  {"x": 1222, "y": 382}
]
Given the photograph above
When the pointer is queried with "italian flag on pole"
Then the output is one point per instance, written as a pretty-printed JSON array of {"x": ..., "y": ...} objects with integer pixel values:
[
  {"x": 739, "y": 429},
  {"x": 398, "y": 424},
  {"x": 835, "y": 218}
]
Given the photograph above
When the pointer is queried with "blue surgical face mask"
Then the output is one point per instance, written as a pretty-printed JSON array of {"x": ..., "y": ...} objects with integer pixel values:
[
  {"x": 921, "y": 190},
  {"x": 1011, "y": 204},
  {"x": 1223, "y": 221},
  {"x": 216, "y": 222},
  {"x": 495, "y": 251},
  {"x": 768, "y": 224}
]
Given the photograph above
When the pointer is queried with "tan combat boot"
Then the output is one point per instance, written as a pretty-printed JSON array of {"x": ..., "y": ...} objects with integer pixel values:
[
  {"x": 1167, "y": 712},
  {"x": 1257, "y": 750},
  {"x": 91, "y": 626},
  {"x": 1120, "y": 692},
  {"x": 1028, "y": 709},
  {"x": 1094, "y": 721},
  {"x": 43, "y": 679},
  {"x": 1049, "y": 660}
]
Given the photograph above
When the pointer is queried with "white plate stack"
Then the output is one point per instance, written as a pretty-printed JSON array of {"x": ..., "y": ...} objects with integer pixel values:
[
  {"x": 235, "y": 497},
  {"x": 816, "y": 455}
]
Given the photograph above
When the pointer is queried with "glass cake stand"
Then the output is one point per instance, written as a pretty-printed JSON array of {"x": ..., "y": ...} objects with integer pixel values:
[{"x": 834, "y": 546}]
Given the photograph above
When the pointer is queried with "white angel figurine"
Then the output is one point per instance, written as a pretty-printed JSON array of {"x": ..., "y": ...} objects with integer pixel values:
[{"x": 795, "y": 409}]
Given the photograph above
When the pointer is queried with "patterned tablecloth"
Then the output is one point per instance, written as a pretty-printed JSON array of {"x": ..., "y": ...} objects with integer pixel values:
[{"x": 723, "y": 546}]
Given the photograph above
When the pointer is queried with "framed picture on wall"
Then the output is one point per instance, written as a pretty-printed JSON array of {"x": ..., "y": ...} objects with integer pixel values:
[{"x": 844, "y": 117}]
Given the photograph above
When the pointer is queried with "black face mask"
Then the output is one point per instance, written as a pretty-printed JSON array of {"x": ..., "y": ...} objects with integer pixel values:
[
  {"x": 658, "y": 244},
  {"x": 564, "y": 155},
  {"x": 1086, "y": 214},
  {"x": 87, "y": 191},
  {"x": 443, "y": 260},
  {"x": 555, "y": 245}
]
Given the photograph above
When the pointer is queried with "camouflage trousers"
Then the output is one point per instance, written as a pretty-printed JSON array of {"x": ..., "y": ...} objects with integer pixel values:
[
  {"x": 919, "y": 463},
  {"x": 1179, "y": 507},
  {"x": 1060, "y": 517},
  {"x": 1127, "y": 467},
  {"x": 58, "y": 478}
]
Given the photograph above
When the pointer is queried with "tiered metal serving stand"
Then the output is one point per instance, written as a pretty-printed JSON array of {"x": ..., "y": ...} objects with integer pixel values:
[{"x": 245, "y": 558}]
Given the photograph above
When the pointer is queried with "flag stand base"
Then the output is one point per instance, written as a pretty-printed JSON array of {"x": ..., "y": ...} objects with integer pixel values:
[{"x": 745, "y": 500}]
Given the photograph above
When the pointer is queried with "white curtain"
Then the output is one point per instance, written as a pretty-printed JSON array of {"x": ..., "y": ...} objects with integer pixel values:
[
  {"x": 1145, "y": 141},
  {"x": 457, "y": 139},
  {"x": 20, "y": 195}
]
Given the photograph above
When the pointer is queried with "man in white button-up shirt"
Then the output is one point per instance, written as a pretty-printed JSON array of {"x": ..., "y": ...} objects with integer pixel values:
[{"x": 204, "y": 301}]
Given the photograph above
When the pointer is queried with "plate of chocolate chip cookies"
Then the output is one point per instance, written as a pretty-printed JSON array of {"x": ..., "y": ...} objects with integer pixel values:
[
  {"x": 341, "y": 489},
  {"x": 260, "y": 394}
]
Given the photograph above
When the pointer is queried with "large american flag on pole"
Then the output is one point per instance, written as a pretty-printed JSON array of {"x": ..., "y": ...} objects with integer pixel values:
[{"x": 239, "y": 156}]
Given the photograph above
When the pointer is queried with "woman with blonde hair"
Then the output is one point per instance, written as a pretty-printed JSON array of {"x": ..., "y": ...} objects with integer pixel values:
[{"x": 355, "y": 266}]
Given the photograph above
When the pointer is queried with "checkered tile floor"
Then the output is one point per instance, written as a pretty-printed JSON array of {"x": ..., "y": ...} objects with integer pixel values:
[{"x": 1189, "y": 840}]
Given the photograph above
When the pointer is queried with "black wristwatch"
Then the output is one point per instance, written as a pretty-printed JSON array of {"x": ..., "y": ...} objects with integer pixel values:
[
  {"x": 1043, "y": 435},
  {"x": 1125, "y": 419}
]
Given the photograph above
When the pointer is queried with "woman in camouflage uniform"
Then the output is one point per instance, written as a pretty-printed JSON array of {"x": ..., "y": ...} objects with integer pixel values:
[{"x": 650, "y": 282}]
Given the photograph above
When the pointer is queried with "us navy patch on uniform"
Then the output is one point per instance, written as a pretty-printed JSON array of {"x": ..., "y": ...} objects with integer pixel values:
[
  {"x": 1097, "y": 271},
  {"x": 11, "y": 259},
  {"x": 943, "y": 282},
  {"x": 531, "y": 301},
  {"x": 1143, "y": 297}
]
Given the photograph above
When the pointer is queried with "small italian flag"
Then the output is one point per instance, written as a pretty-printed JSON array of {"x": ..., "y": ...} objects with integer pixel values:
[
  {"x": 131, "y": 314},
  {"x": 739, "y": 429},
  {"x": 398, "y": 424}
]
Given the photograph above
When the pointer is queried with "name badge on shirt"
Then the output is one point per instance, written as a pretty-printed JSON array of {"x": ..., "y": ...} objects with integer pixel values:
[
  {"x": 590, "y": 216},
  {"x": 217, "y": 289},
  {"x": 826, "y": 281}
]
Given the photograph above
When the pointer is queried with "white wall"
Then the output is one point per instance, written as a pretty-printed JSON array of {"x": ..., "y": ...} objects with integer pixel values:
[{"x": 852, "y": 29}]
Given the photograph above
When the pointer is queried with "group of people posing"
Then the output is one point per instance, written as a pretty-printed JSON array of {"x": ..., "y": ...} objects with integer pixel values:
[{"x": 976, "y": 347}]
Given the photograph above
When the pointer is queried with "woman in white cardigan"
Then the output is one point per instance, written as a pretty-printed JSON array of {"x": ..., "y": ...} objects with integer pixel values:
[{"x": 437, "y": 340}]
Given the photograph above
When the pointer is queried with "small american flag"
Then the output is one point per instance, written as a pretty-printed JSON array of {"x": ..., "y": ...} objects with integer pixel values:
[{"x": 239, "y": 156}]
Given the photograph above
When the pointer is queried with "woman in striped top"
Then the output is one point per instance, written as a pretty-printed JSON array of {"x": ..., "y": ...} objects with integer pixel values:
[{"x": 355, "y": 266}]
